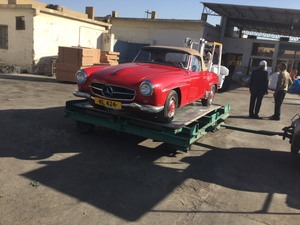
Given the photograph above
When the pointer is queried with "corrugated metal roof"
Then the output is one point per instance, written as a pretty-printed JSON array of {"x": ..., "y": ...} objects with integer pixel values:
[{"x": 260, "y": 19}]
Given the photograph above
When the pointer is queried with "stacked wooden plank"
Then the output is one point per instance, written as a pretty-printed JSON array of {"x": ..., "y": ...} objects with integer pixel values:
[
  {"x": 111, "y": 58},
  {"x": 72, "y": 59}
]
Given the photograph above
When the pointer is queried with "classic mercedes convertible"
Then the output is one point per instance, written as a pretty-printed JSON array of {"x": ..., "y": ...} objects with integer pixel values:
[{"x": 158, "y": 81}]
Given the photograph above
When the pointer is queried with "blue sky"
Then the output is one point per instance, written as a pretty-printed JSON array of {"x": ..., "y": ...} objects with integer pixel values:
[{"x": 165, "y": 9}]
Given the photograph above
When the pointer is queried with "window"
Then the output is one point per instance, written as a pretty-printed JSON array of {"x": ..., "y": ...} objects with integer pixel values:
[
  {"x": 20, "y": 23},
  {"x": 284, "y": 53},
  {"x": 263, "y": 49},
  {"x": 3, "y": 37},
  {"x": 196, "y": 64},
  {"x": 163, "y": 56},
  {"x": 289, "y": 51}
]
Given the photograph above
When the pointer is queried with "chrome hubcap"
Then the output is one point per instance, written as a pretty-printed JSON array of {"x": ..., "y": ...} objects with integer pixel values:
[{"x": 172, "y": 107}]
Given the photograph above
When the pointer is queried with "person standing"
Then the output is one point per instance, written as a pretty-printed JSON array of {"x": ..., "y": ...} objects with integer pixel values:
[
  {"x": 283, "y": 84},
  {"x": 258, "y": 88},
  {"x": 294, "y": 73}
]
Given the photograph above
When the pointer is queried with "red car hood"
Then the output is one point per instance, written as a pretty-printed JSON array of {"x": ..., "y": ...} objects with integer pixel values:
[{"x": 128, "y": 74}]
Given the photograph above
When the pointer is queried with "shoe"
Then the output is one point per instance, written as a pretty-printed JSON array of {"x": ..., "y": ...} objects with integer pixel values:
[
  {"x": 274, "y": 118},
  {"x": 251, "y": 116},
  {"x": 256, "y": 117}
]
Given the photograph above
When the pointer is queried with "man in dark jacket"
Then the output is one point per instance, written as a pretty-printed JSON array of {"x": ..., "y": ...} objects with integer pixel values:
[{"x": 258, "y": 88}]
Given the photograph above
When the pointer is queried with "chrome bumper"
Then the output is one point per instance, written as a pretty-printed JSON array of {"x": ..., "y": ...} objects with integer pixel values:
[
  {"x": 144, "y": 108},
  {"x": 81, "y": 94}
]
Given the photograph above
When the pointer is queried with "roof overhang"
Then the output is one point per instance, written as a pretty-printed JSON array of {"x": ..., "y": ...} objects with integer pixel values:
[{"x": 285, "y": 22}]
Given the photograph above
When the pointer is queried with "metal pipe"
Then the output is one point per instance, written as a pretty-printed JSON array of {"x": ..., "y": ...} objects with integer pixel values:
[{"x": 262, "y": 132}]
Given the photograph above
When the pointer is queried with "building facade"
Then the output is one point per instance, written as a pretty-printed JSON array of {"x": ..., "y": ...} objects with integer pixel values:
[
  {"x": 132, "y": 33},
  {"x": 248, "y": 52},
  {"x": 31, "y": 32},
  {"x": 245, "y": 51}
]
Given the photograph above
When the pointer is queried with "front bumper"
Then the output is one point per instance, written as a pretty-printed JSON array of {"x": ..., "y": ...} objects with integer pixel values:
[{"x": 133, "y": 105}]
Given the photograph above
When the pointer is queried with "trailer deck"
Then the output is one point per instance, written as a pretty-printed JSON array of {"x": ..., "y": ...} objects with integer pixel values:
[{"x": 190, "y": 123}]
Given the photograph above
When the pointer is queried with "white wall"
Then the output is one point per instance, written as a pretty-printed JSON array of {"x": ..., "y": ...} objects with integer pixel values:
[
  {"x": 44, "y": 32},
  {"x": 51, "y": 31},
  {"x": 20, "y": 42},
  {"x": 158, "y": 32}
]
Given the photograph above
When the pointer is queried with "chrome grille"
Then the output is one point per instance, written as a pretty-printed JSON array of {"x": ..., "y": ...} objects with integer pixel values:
[{"x": 112, "y": 91}]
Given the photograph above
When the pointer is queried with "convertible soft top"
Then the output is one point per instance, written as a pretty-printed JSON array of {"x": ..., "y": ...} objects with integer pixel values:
[{"x": 180, "y": 49}]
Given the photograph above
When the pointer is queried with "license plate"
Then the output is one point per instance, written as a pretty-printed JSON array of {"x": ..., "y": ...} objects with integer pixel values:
[{"x": 108, "y": 103}]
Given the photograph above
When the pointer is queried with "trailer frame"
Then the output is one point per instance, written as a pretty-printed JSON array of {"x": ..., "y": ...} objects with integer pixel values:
[{"x": 180, "y": 133}]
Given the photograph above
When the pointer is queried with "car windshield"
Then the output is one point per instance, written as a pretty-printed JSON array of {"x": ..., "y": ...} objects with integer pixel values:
[{"x": 163, "y": 56}]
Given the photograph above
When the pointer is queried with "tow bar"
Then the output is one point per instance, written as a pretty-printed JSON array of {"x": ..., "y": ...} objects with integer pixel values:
[{"x": 291, "y": 132}]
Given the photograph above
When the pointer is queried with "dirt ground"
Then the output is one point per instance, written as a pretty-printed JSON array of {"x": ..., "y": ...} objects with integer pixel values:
[{"x": 51, "y": 174}]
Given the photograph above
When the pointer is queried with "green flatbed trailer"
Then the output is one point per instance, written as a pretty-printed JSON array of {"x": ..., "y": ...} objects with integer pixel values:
[{"x": 189, "y": 125}]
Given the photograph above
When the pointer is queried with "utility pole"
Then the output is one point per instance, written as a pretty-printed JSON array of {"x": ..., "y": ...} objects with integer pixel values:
[{"x": 148, "y": 13}]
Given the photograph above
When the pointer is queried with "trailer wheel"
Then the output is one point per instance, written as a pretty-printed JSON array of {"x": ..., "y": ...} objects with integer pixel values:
[
  {"x": 171, "y": 104},
  {"x": 85, "y": 128},
  {"x": 294, "y": 149},
  {"x": 209, "y": 100},
  {"x": 295, "y": 143}
]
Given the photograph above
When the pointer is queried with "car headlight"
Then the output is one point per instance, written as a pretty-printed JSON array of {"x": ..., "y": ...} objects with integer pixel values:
[
  {"x": 81, "y": 77},
  {"x": 146, "y": 88}
]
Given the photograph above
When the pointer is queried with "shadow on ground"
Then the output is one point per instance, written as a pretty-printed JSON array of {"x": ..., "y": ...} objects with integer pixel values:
[{"x": 116, "y": 174}]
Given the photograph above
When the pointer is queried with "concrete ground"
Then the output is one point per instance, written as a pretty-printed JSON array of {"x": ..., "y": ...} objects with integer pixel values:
[{"x": 51, "y": 174}]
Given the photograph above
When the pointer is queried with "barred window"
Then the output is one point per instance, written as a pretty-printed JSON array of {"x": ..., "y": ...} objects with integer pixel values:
[
  {"x": 3, "y": 37},
  {"x": 20, "y": 23}
]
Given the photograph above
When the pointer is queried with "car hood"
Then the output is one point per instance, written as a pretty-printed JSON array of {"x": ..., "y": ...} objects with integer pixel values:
[{"x": 133, "y": 73}]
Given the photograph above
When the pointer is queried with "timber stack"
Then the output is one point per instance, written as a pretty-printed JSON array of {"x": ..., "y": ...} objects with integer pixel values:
[
  {"x": 111, "y": 58},
  {"x": 72, "y": 59}
]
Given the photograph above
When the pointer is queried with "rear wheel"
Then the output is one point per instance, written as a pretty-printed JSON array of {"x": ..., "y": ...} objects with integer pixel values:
[
  {"x": 209, "y": 100},
  {"x": 171, "y": 104}
]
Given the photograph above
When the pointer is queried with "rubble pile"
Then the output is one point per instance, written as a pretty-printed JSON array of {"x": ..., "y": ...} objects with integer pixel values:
[{"x": 7, "y": 69}]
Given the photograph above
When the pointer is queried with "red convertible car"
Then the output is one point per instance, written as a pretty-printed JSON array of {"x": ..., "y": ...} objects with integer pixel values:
[{"x": 159, "y": 80}]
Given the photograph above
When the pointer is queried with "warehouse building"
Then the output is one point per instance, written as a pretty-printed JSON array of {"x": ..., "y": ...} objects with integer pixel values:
[{"x": 249, "y": 34}]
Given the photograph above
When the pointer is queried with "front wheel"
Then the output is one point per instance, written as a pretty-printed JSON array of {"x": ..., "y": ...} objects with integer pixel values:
[
  {"x": 171, "y": 104},
  {"x": 209, "y": 100}
]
